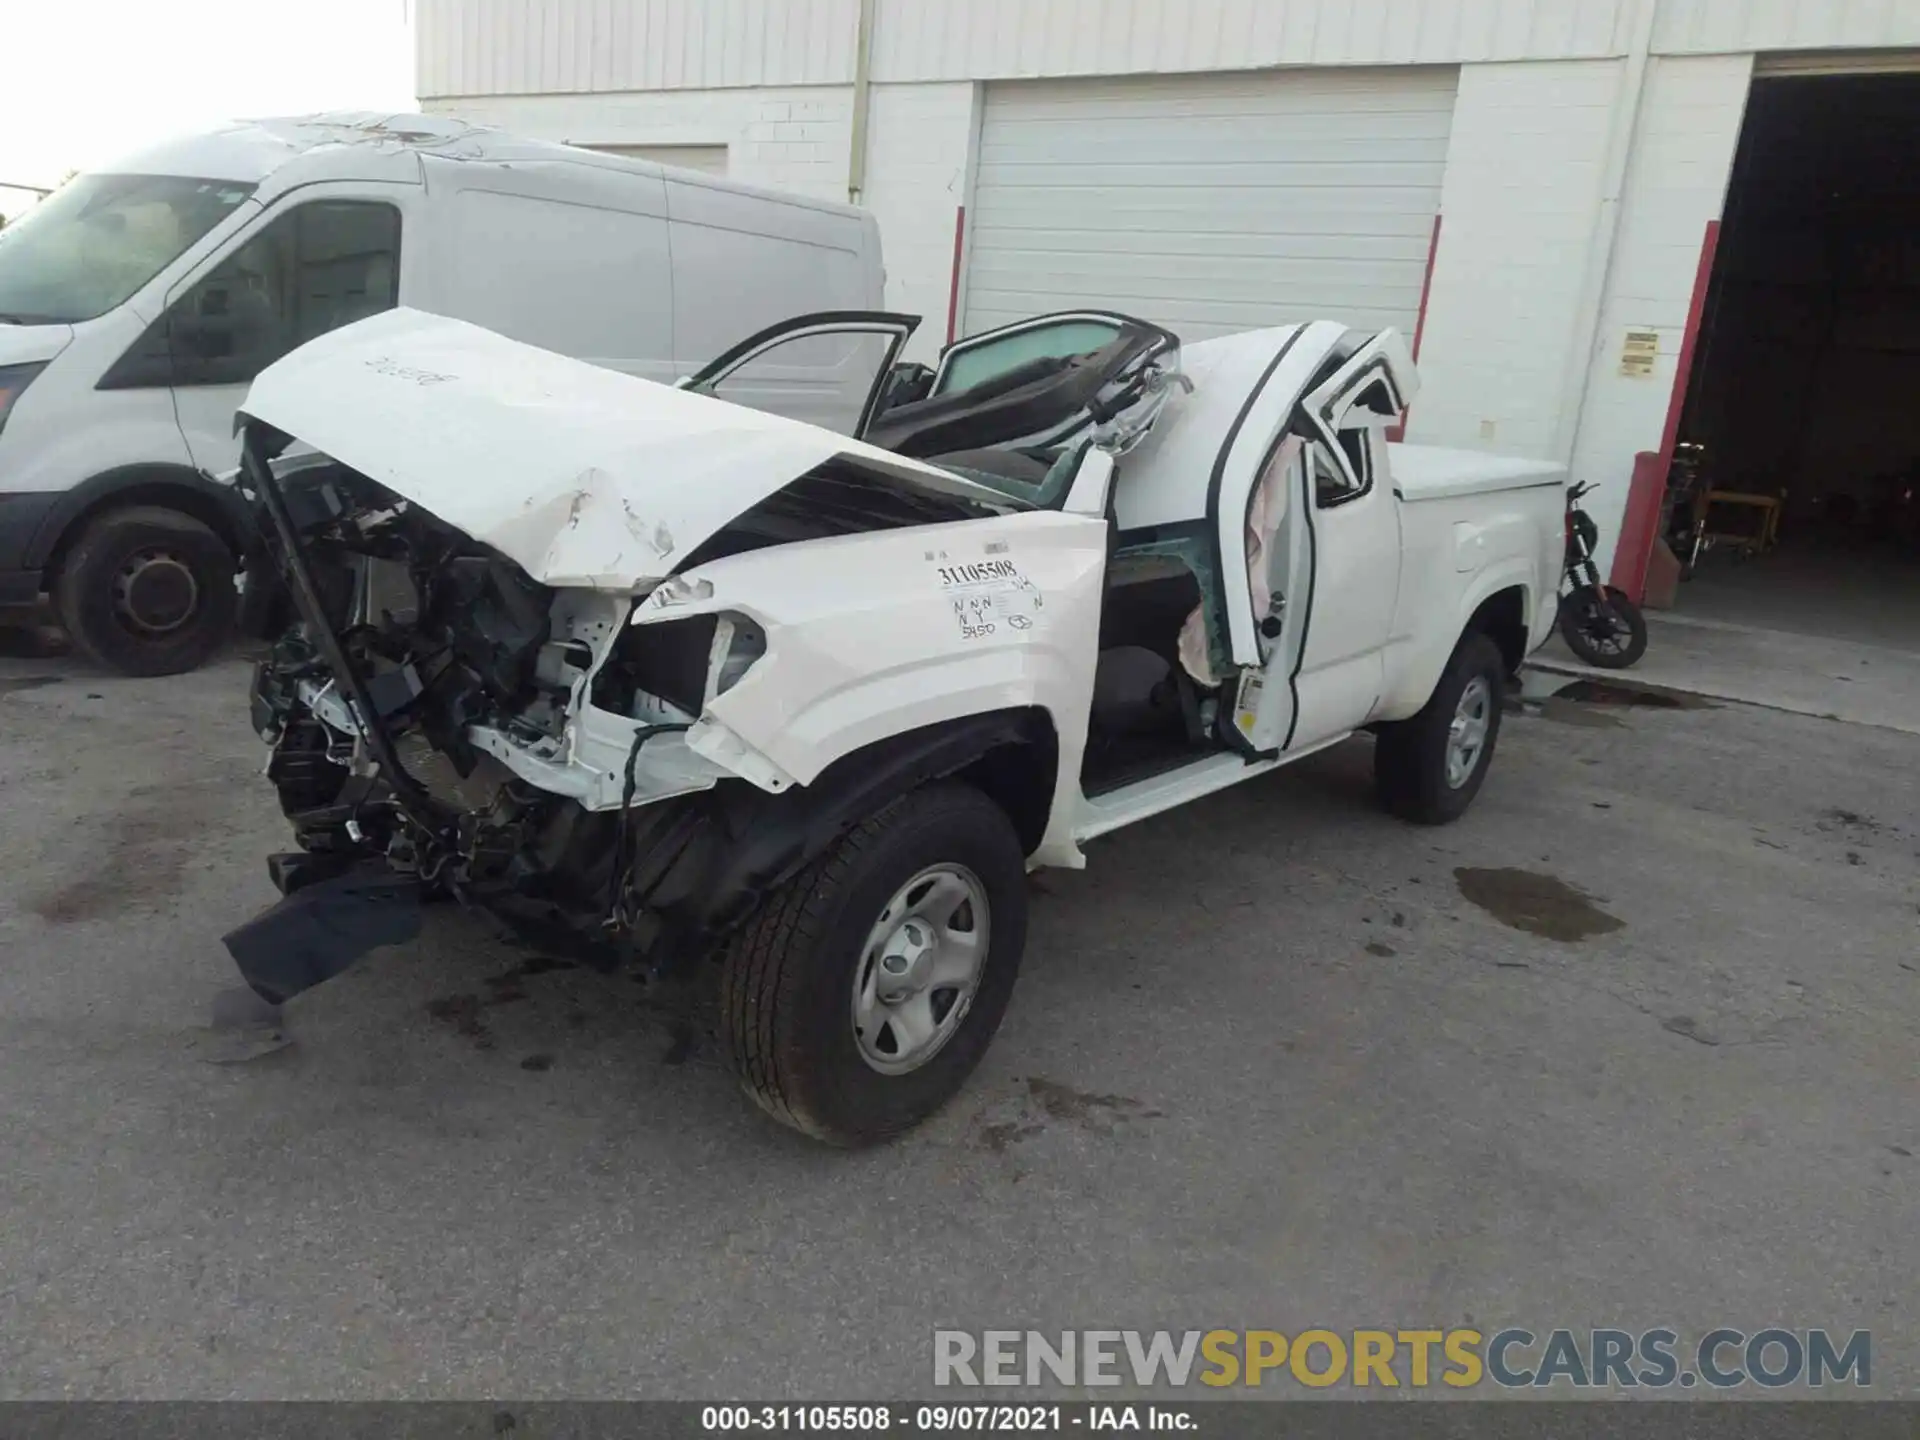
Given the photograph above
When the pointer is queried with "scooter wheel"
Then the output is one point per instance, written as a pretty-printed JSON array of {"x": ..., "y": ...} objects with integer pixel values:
[{"x": 1610, "y": 633}]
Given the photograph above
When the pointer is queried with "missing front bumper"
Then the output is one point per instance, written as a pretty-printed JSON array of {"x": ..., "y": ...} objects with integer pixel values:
[{"x": 322, "y": 927}]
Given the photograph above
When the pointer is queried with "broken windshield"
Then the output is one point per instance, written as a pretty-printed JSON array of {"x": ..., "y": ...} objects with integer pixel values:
[{"x": 88, "y": 246}]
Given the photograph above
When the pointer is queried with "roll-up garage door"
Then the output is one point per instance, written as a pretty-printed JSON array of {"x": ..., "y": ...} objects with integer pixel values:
[{"x": 1210, "y": 203}]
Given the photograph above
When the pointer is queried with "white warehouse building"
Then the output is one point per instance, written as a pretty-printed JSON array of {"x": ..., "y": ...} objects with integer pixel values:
[{"x": 1533, "y": 188}]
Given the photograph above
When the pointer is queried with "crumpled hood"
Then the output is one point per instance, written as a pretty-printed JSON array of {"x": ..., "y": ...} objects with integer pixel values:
[{"x": 582, "y": 476}]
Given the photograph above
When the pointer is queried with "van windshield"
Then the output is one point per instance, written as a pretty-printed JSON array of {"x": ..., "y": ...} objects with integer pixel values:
[{"x": 98, "y": 238}]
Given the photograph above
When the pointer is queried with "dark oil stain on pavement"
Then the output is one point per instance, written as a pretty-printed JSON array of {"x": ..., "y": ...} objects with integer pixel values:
[
  {"x": 466, "y": 1014},
  {"x": 998, "y": 1139},
  {"x": 1063, "y": 1102},
  {"x": 1836, "y": 819},
  {"x": 465, "y": 1011},
  {"x": 138, "y": 865},
  {"x": 462, "y": 1012},
  {"x": 1567, "y": 712},
  {"x": 1375, "y": 947},
  {"x": 1596, "y": 704},
  {"x": 1049, "y": 1102},
  {"x": 1624, "y": 693},
  {"x": 1541, "y": 905}
]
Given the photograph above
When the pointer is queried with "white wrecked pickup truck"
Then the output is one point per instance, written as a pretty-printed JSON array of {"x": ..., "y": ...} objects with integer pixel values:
[{"x": 657, "y": 679}]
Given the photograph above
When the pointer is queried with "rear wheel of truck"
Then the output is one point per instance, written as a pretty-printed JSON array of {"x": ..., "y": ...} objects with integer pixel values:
[
  {"x": 860, "y": 997},
  {"x": 1428, "y": 767},
  {"x": 147, "y": 591}
]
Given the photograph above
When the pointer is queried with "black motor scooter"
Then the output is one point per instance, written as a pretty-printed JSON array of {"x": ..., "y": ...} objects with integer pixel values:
[{"x": 1601, "y": 625}]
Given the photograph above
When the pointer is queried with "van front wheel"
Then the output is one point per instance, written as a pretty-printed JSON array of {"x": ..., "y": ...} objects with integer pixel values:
[
  {"x": 147, "y": 591},
  {"x": 862, "y": 994}
]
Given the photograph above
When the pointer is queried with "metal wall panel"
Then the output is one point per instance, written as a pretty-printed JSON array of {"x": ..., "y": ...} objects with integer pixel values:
[
  {"x": 507, "y": 47},
  {"x": 1736, "y": 26},
  {"x": 1012, "y": 39},
  {"x": 530, "y": 47}
]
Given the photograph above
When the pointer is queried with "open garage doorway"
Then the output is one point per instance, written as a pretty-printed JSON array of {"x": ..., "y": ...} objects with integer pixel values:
[{"x": 1799, "y": 455}]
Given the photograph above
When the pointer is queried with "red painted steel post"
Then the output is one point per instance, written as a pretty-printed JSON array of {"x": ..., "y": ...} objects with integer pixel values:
[
  {"x": 1639, "y": 525},
  {"x": 1640, "y": 522},
  {"x": 953, "y": 280},
  {"x": 1399, "y": 432}
]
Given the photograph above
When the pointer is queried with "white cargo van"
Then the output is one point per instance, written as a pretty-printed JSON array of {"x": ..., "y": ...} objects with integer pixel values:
[{"x": 136, "y": 305}]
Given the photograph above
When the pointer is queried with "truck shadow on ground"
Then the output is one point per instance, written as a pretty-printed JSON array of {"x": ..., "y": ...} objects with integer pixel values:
[{"x": 480, "y": 1007}]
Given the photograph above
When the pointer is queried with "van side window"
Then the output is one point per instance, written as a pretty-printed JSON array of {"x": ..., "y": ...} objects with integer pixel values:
[{"x": 319, "y": 266}]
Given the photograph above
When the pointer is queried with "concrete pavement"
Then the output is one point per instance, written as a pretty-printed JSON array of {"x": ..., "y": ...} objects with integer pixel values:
[
  {"x": 1267, "y": 1065},
  {"x": 1826, "y": 676}
]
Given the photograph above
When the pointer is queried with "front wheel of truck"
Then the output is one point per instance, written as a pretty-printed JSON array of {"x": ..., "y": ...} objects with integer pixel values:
[{"x": 862, "y": 994}]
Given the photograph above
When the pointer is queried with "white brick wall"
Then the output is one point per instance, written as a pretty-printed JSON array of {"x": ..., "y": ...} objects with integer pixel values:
[
  {"x": 1520, "y": 201},
  {"x": 794, "y": 138},
  {"x": 917, "y": 142},
  {"x": 1676, "y": 182}
]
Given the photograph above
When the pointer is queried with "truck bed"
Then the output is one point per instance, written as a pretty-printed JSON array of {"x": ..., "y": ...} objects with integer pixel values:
[{"x": 1435, "y": 472}]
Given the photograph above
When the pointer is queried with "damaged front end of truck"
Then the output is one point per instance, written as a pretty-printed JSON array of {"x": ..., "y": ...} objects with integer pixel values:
[
  {"x": 427, "y": 689},
  {"x": 512, "y": 710}
]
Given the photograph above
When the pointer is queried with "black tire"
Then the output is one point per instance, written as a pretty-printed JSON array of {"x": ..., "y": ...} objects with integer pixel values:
[
  {"x": 1612, "y": 635},
  {"x": 147, "y": 591},
  {"x": 1410, "y": 756},
  {"x": 787, "y": 979}
]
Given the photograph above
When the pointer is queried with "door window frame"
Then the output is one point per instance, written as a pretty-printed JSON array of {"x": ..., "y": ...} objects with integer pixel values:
[
  {"x": 1038, "y": 322},
  {"x": 899, "y": 328},
  {"x": 1369, "y": 392}
]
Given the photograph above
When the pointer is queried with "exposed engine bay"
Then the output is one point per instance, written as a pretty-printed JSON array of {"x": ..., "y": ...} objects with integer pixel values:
[
  {"x": 477, "y": 674},
  {"x": 546, "y": 744}
]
